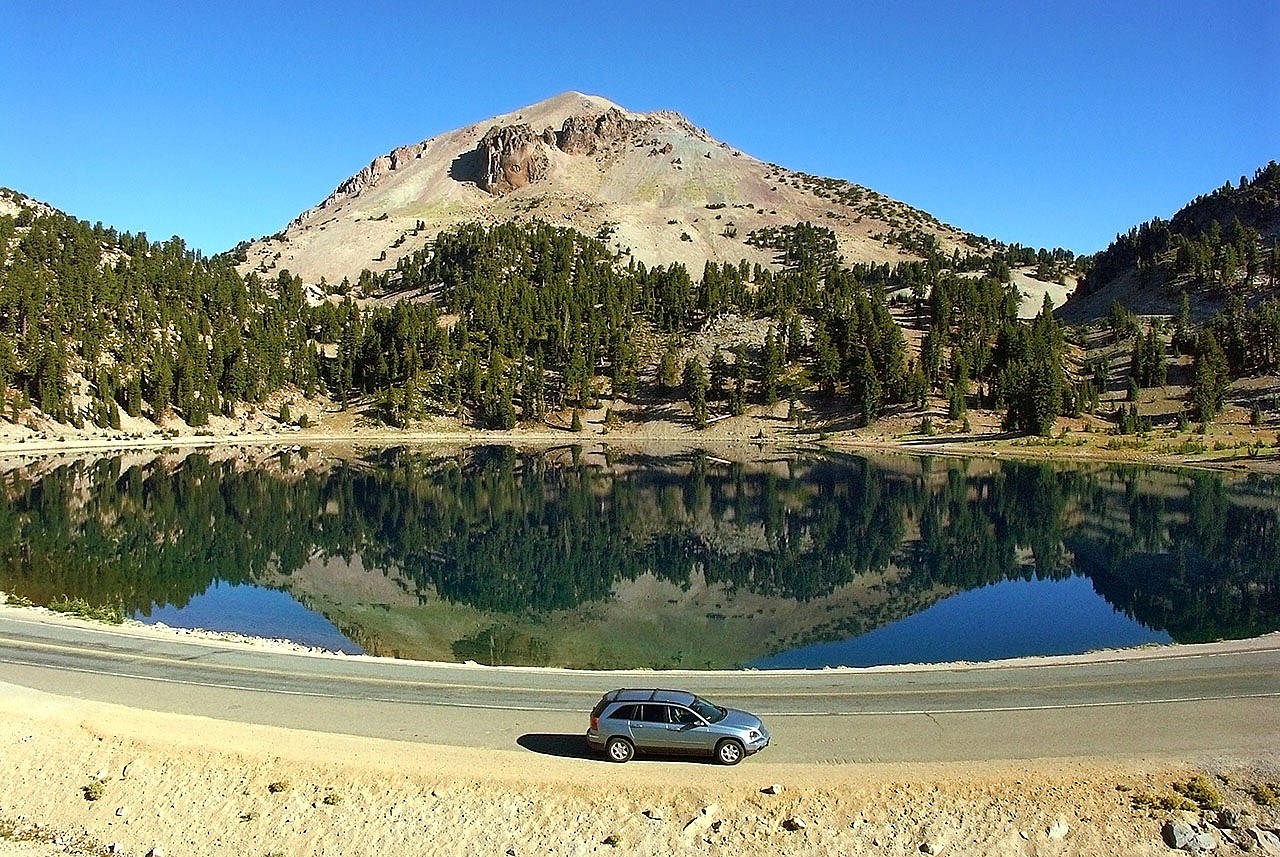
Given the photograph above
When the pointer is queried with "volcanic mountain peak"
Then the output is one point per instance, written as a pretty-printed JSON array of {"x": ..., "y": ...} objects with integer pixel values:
[{"x": 659, "y": 188}]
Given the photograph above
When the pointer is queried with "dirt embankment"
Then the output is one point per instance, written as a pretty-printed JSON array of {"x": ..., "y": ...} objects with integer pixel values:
[{"x": 192, "y": 786}]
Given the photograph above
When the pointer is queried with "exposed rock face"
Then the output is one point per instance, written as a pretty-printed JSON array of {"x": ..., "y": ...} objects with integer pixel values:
[
  {"x": 367, "y": 178},
  {"x": 585, "y": 134},
  {"x": 513, "y": 157}
]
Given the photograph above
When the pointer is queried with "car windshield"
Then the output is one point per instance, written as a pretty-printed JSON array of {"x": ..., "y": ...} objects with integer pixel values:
[{"x": 708, "y": 712}]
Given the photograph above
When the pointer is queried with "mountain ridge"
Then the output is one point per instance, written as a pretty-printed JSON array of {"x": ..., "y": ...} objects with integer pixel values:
[{"x": 659, "y": 188}]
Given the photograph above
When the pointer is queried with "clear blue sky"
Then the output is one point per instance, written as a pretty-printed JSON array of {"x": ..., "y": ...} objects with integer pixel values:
[{"x": 1058, "y": 126}]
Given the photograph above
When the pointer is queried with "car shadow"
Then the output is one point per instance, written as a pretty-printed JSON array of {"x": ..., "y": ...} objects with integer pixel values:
[
  {"x": 567, "y": 746},
  {"x": 574, "y": 746}
]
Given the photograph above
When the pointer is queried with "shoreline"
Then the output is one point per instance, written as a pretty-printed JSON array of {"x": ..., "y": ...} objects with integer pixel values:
[
  {"x": 993, "y": 446},
  {"x": 229, "y": 639}
]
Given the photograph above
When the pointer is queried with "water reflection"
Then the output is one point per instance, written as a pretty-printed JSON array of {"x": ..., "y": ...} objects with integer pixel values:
[{"x": 607, "y": 558}]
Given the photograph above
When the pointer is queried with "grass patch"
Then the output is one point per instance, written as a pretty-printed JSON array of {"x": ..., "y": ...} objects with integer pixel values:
[
  {"x": 1167, "y": 803},
  {"x": 248, "y": 816},
  {"x": 1264, "y": 794},
  {"x": 112, "y": 615},
  {"x": 278, "y": 786},
  {"x": 94, "y": 790},
  {"x": 331, "y": 799},
  {"x": 1201, "y": 791}
]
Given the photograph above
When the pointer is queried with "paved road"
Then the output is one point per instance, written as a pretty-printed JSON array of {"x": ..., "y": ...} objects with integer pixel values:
[{"x": 1180, "y": 702}]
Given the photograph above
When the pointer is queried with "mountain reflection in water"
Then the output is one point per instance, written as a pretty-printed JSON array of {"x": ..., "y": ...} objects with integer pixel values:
[{"x": 607, "y": 558}]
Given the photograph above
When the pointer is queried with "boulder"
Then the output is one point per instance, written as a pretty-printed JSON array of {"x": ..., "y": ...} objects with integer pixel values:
[
  {"x": 512, "y": 157},
  {"x": 1180, "y": 835},
  {"x": 1057, "y": 830},
  {"x": 795, "y": 822},
  {"x": 1229, "y": 818},
  {"x": 702, "y": 820},
  {"x": 1268, "y": 842},
  {"x": 773, "y": 789},
  {"x": 1203, "y": 843},
  {"x": 1177, "y": 834},
  {"x": 587, "y": 133}
]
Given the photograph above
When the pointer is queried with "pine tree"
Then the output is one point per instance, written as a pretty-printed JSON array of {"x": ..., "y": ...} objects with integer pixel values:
[
  {"x": 865, "y": 387},
  {"x": 1210, "y": 377},
  {"x": 695, "y": 389},
  {"x": 1182, "y": 336},
  {"x": 668, "y": 371},
  {"x": 826, "y": 361}
]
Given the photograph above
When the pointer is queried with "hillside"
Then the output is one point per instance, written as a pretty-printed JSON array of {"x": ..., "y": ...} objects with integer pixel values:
[
  {"x": 1220, "y": 244},
  {"x": 544, "y": 328},
  {"x": 519, "y": 327},
  {"x": 658, "y": 188}
]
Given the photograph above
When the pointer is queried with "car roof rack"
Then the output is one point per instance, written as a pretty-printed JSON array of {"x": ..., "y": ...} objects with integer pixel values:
[{"x": 635, "y": 694}]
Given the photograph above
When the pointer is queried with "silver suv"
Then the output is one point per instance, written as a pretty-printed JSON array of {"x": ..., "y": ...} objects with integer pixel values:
[{"x": 672, "y": 721}]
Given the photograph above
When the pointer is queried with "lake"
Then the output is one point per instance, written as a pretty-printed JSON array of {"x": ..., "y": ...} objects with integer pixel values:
[{"x": 613, "y": 558}]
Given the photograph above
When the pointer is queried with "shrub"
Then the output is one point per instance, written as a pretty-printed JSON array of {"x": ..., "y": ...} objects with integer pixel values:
[
  {"x": 83, "y": 609},
  {"x": 278, "y": 786},
  {"x": 94, "y": 790},
  {"x": 331, "y": 799},
  {"x": 1264, "y": 795},
  {"x": 1168, "y": 803},
  {"x": 1201, "y": 791}
]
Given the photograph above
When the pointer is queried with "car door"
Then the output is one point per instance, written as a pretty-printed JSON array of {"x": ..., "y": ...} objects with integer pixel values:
[
  {"x": 650, "y": 731},
  {"x": 687, "y": 732}
]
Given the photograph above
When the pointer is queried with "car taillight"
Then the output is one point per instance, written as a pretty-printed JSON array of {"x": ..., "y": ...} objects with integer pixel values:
[{"x": 595, "y": 723}]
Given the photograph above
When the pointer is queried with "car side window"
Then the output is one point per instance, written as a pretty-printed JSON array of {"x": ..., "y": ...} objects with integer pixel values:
[
  {"x": 683, "y": 716},
  {"x": 654, "y": 713},
  {"x": 624, "y": 712}
]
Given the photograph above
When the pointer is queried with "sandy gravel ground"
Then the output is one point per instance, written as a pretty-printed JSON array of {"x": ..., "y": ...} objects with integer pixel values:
[{"x": 193, "y": 786}]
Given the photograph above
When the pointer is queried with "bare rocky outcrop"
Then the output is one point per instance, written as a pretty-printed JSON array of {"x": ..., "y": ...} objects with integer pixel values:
[
  {"x": 513, "y": 157},
  {"x": 367, "y": 178},
  {"x": 587, "y": 133}
]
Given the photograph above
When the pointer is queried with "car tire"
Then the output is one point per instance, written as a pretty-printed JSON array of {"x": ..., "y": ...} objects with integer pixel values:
[
  {"x": 729, "y": 752},
  {"x": 619, "y": 750}
]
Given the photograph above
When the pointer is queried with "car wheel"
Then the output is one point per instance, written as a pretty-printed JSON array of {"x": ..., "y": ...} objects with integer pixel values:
[
  {"x": 729, "y": 752},
  {"x": 619, "y": 750}
]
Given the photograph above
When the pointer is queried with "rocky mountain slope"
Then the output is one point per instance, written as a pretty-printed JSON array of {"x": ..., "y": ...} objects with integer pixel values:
[
  {"x": 657, "y": 187},
  {"x": 1220, "y": 244}
]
